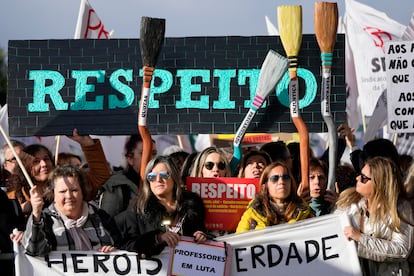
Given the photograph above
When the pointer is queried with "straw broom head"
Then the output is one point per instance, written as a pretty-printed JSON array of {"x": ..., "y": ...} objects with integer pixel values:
[
  {"x": 289, "y": 20},
  {"x": 151, "y": 39},
  {"x": 326, "y": 25}
]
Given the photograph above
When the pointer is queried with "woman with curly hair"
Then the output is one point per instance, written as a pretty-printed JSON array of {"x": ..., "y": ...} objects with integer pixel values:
[
  {"x": 381, "y": 218},
  {"x": 277, "y": 201}
]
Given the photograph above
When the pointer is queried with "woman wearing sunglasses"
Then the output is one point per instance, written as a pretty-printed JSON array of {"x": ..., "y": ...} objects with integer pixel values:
[
  {"x": 211, "y": 162},
  {"x": 381, "y": 218},
  {"x": 161, "y": 212},
  {"x": 277, "y": 201}
]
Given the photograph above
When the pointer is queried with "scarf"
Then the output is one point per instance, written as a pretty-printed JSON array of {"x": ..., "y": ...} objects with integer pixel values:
[{"x": 75, "y": 228}]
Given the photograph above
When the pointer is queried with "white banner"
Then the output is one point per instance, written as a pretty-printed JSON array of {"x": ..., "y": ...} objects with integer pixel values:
[
  {"x": 400, "y": 86},
  {"x": 314, "y": 246}
]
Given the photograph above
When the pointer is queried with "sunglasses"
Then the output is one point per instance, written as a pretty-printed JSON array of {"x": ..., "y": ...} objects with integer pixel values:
[
  {"x": 364, "y": 178},
  {"x": 275, "y": 178},
  {"x": 11, "y": 160},
  {"x": 152, "y": 176},
  {"x": 210, "y": 165}
]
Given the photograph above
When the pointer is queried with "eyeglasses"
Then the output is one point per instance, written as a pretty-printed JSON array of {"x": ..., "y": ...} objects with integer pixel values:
[
  {"x": 152, "y": 176},
  {"x": 11, "y": 160},
  {"x": 364, "y": 178},
  {"x": 210, "y": 165},
  {"x": 275, "y": 178}
]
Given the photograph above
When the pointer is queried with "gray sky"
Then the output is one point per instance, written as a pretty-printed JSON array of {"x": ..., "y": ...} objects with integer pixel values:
[{"x": 56, "y": 19}]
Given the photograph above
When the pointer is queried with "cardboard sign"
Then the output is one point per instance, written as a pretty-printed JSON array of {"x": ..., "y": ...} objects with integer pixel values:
[
  {"x": 400, "y": 86},
  {"x": 207, "y": 258},
  {"x": 225, "y": 198},
  {"x": 200, "y": 85}
]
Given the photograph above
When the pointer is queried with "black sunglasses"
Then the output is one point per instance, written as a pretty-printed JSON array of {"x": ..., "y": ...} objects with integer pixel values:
[
  {"x": 275, "y": 178},
  {"x": 152, "y": 176},
  {"x": 210, "y": 165},
  {"x": 364, "y": 178}
]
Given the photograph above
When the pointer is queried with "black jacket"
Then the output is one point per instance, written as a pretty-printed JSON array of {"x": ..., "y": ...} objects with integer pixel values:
[{"x": 139, "y": 231}]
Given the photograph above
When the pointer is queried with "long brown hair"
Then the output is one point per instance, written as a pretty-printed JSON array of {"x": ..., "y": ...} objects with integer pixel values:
[
  {"x": 294, "y": 201},
  {"x": 141, "y": 201}
]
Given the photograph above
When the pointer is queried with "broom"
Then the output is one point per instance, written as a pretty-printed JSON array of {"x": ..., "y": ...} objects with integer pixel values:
[
  {"x": 326, "y": 24},
  {"x": 272, "y": 70},
  {"x": 151, "y": 39},
  {"x": 290, "y": 29}
]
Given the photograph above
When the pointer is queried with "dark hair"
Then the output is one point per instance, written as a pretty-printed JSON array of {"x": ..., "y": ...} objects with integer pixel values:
[
  {"x": 379, "y": 147},
  {"x": 131, "y": 144},
  {"x": 144, "y": 196},
  {"x": 35, "y": 148},
  {"x": 316, "y": 163},
  {"x": 64, "y": 158},
  {"x": 345, "y": 177},
  {"x": 249, "y": 154},
  {"x": 65, "y": 171},
  {"x": 277, "y": 150},
  {"x": 294, "y": 201},
  {"x": 187, "y": 166}
]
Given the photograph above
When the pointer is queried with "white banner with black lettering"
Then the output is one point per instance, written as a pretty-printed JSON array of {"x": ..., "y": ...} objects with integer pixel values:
[{"x": 314, "y": 246}]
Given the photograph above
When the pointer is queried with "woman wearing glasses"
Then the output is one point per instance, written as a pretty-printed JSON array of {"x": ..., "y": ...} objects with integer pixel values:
[
  {"x": 161, "y": 212},
  {"x": 277, "y": 201},
  {"x": 211, "y": 162},
  {"x": 381, "y": 218}
]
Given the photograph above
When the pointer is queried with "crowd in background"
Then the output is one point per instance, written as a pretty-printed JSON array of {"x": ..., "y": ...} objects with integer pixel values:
[{"x": 62, "y": 203}]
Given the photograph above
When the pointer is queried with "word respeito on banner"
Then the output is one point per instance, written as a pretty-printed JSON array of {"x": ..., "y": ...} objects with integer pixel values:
[
  {"x": 225, "y": 198},
  {"x": 400, "y": 86}
]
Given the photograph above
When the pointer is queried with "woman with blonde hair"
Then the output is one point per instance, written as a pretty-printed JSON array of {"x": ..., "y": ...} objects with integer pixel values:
[
  {"x": 211, "y": 162},
  {"x": 381, "y": 218},
  {"x": 277, "y": 201}
]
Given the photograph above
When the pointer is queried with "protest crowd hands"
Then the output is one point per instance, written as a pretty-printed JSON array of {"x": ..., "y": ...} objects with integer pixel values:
[
  {"x": 84, "y": 140},
  {"x": 37, "y": 203},
  {"x": 347, "y": 133},
  {"x": 107, "y": 248}
]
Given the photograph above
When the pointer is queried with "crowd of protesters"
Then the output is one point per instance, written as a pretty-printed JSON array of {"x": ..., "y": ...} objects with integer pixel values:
[{"x": 63, "y": 203}]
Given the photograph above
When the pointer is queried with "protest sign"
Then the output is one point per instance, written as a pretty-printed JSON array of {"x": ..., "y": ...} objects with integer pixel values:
[
  {"x": 201, "y": 85},
  {"x": 191, "y": 258},
  {"x": 314, "y": 246},
  {"x": 400, "y": 86},
  {"x": 225, "y": 198}
]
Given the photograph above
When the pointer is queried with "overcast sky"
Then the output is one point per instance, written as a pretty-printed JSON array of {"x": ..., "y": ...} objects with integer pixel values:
[{"x": 56, "y": 19}]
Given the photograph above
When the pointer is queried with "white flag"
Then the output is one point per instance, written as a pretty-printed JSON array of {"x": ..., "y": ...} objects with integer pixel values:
[
  {"x": 89, "y": 25},
  {"x": 367, "y": 31},
  {"x": 271, "y": 29},
  {"x": 409, "y": 31}
]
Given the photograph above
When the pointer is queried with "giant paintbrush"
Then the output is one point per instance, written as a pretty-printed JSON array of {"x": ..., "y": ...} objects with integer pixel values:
[
  {"x": 151, "y": 40},
  {"x": 272, "y": 70},
  {"x": 326, "y": 24},
  {"x": 290, "y": 29}
]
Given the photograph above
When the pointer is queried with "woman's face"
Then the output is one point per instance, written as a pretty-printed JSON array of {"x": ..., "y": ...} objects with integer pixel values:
[
  {"x": 364, "y": 184},
  {"x": 161, "y": 182},
  {"x": 317, "y": 183},
  {"x": 41, "y": 167},
  {"x": 214, "y": 166},
  {"x": 254, "y": 166},
  {"x": 68, "y": 196},
  {"x": 279, "y": 184}
]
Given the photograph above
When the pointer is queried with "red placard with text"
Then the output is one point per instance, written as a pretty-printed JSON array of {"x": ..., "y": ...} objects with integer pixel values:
[{"x": 225, "y": 198}]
